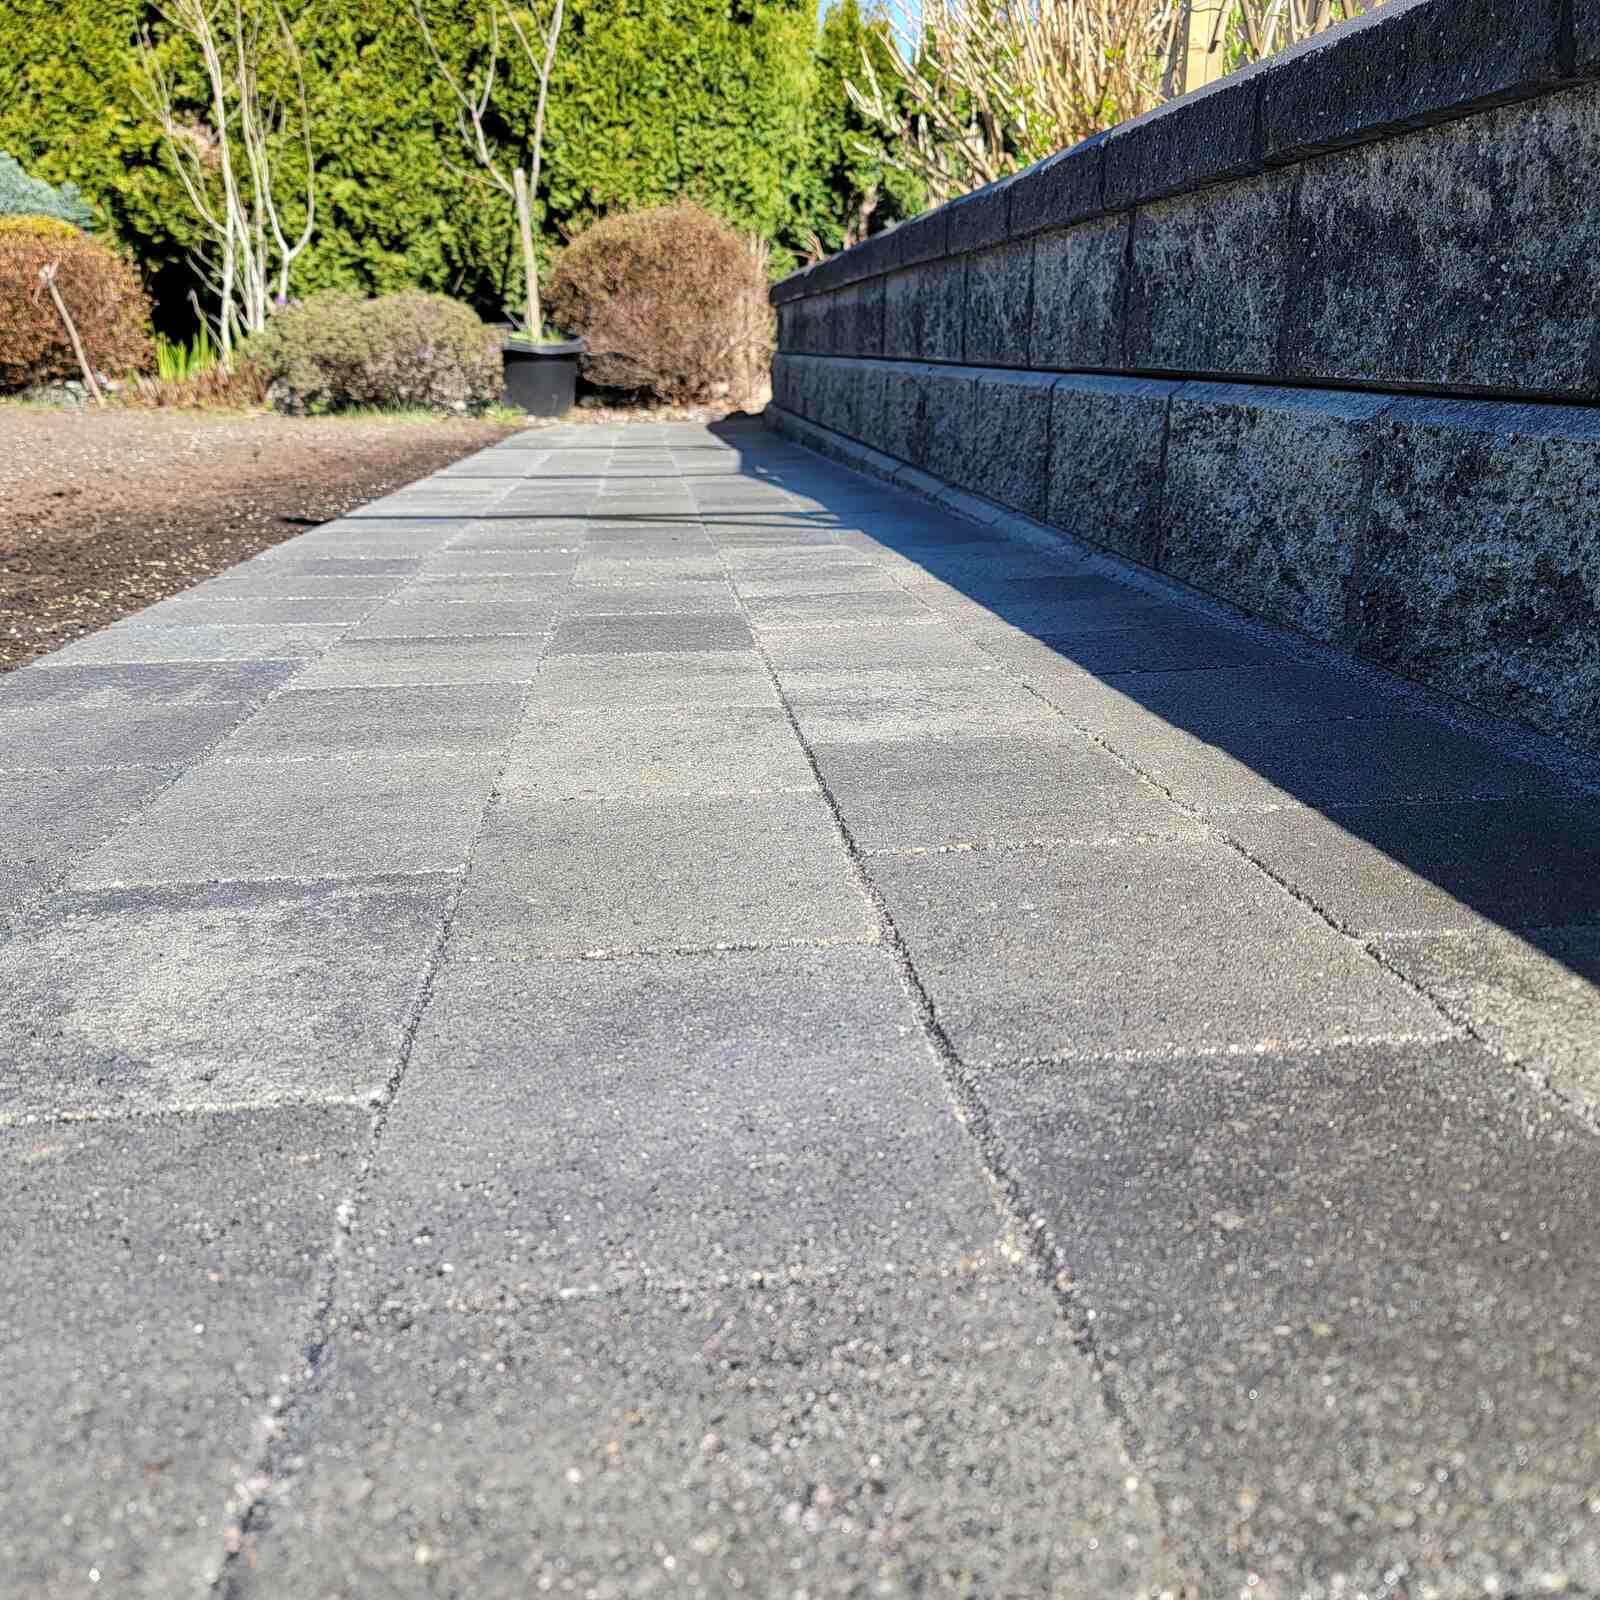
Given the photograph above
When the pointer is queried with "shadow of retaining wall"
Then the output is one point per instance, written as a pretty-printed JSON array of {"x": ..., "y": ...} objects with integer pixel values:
[{"x": 1322, "y": 339}]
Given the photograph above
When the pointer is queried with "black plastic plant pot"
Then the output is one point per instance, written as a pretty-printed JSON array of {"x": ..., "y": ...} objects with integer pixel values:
[{"x": 542, "y": 379}]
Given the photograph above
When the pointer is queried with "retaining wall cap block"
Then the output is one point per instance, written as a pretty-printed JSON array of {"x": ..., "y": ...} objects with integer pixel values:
[
  {"x": 1204, "y": 137},
  {"x": 1064, "y": 188},
  {"x": 980, "y": 219},
  {"x": 1409, "y": 63},
  {"x": 792, "y": 287},
  {"x": 923, "y": 238}
]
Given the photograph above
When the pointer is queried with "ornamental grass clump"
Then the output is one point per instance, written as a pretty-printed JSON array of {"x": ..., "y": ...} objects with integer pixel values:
[
  {"x": 672, "y": 302},
  {"x": 102, "y": 293},
  {"x": 408, "y": 351}
]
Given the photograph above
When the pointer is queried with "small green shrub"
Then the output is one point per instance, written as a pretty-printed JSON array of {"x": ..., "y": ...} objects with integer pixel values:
[
  {"x": 21, "y": 195},
  {"x": 100, "y": 289},
  {"x": 410, "y": 351},
  {"x": 672, "y": 302}
]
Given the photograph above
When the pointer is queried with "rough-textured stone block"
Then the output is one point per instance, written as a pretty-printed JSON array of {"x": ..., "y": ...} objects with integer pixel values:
[
  {"x": 999, "y": 294},
  {"x": 783, "y": 379},
  {"x": 1010, "y": 456},
  {"x": 856, "y": 314},
  {"x": 1586, "y": 37},
  {"x": 949, "y": 396},
  {"x": 979, "y": 220},
  {"x": 1461, "y": 255},
  {"x": 871, "y": 402},
  {"x": 1078, "y": 288},
  {"x": 905, "y": 412},
  {"x": 1107, "y": 444},
  {"x": 1265, "y": 496},
  {"x": 1062, "y": 189},
  {"x": 1402, "y": 65},
  {"x": 1205, "y": 137},
  {"x": 1482, "y": 572},
  {"x": 923, "y": 311},
  {"x": 841, "y": 396},
  {"x": 1208, "y": 280}
]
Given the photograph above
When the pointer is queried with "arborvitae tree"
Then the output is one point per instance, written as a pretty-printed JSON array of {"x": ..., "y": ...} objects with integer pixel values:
[{"x": 721, "y": 101}]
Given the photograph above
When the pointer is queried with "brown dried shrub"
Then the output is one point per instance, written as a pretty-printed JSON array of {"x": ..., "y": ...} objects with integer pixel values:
[
  {"x": 672, "y": 303},
  {"x": 241, "y": 389},
  {"x": 101, "y": 290}
]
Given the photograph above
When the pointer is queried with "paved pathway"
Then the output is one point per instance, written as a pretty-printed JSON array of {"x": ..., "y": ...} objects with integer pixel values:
[{"x": 650, "y": 1016}]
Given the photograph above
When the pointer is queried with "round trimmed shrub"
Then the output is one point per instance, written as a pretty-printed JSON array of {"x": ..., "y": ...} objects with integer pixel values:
[
  {"x": 672, "y": 303},
  {"x": 101, "y": 290},
  {"x": 406, "y": 351},
  {"x": 39, "y": 227}
]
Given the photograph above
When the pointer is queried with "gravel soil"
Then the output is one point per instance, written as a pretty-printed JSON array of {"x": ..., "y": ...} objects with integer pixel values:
[{"x": 102, "y": 514}]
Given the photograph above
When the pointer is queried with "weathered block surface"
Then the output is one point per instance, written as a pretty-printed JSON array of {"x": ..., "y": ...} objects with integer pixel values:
[
  {"x": 923, "y": 311},
  {"x": 1456, "y": 256},
  {"x": 1208, "y": 280},
  {"x": 1482, "y": 572},
  {"x": 905, "y": 411},
  {"x": 999, "y": 306},
  {"x": 1010, "y": 459},
  {"x": 1107, "y": 447},
  {"x": 1079, "y": 275},
  {"x": 949, "y": 396},
  {"x": 1265, "y": 490}
]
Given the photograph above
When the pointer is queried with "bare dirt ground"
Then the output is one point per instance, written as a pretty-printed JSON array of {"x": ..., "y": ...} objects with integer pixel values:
[{"x": 102, "y": 514}]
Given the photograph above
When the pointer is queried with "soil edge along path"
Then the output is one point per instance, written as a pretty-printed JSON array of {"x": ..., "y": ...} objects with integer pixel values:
[{"x": 104, "y": 514}]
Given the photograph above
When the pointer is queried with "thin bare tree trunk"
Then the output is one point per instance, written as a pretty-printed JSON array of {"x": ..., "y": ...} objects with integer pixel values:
[
  {"x": 48, "y": 277},
  {"x": 530, "y": 262}
]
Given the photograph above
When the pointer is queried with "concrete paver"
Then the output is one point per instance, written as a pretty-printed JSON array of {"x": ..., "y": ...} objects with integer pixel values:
[{"x": 647, "y": 1015}]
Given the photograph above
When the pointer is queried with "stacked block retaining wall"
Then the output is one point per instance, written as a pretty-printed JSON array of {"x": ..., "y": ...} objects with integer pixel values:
[{"x": 1322, "y": 339}]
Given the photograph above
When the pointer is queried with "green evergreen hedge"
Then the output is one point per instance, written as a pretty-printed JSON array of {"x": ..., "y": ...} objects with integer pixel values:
[{"x": 714, "y": 100}]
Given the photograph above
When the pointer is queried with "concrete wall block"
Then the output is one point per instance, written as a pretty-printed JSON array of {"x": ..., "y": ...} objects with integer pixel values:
[
  {"x": 923, "y": 308},
  {"x": 1462, "y": 255},
  {"x": 803, "y": 332},
  {"x": 1205, "y": 137},
  {"x": 783, "y": 380},
  {"x": 979, "y": 220},
  {"x": 1106, "y": 448},
  {"x": 1482, "y": 571},
  {"x": 905, "y": 411},
  {"x": 1010, "y": 456},
  {"x": 1207, "y": 287},
  {"x": 841, "y": 396},
  {"x": 948, "y": 395},
  {"x": 1406, "y": 64},
  {"x": 1062, "y": 189},
  {"x": 1586, "y": 37},
  {"x": 999, "y": 291},
  {"x": 857, "y": 313},
  {"x": 870, "y": 404},
  {"x": 1265, "y": 498},
  {"x": 808, "y": 389},
  {"x": 1078, "y": 280}
]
